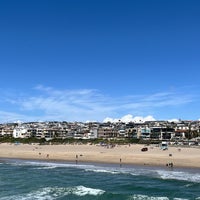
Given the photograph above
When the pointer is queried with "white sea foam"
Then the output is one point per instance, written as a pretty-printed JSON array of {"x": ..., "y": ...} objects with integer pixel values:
[
  {"x": 180, "y": 199},
  {"x": 82, "y": 191},
  {"x": 43, "y": 164},
  {"x": 157, "y": 173},
  {"x": 51, "y": 165},
  {"x": 47, "y": 167},
  {"x": 179, "y": 175},
  {"x": 188, "y": 185},
  {"x": 164, "y": 174},
  {"x": 145, "y": 197},
  {"x": 103, "y": 171},
  {"x": 50, "y": 193},
  {"x": 112, "y": 170}
]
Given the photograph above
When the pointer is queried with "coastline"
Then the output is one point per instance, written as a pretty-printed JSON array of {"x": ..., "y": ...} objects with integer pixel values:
[{"x": 186, "y": 157}]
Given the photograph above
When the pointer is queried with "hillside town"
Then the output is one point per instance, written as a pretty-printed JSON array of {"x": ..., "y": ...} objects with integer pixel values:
[{"x": 187, "y": 132}]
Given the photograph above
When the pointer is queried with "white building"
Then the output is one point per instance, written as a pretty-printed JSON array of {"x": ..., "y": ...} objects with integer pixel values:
[
  {"x": 91, "y": 135},
  {"x": 20, "y": 132}
]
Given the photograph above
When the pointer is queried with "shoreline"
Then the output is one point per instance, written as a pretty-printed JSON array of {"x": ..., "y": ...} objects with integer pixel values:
[
  {"x": 120, "y": 154},
  {"x": 103, "y": 164}
]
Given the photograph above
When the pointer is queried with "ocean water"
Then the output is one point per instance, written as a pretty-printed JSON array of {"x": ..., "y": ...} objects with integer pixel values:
[{"x": 30, "y": 180}]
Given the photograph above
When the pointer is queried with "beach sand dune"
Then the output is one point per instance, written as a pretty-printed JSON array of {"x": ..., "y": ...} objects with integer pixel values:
[{"x": 122, "y": 154}]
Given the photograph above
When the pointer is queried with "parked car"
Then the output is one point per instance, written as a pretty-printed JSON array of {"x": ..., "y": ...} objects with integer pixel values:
[{"x": 144, "y": 149}]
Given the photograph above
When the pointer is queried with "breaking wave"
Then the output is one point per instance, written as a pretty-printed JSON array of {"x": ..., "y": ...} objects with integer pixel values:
[
  {"x": 50, "y": 193},
  {"x": 179, "y": 175},
  {"x": 145, "y": 197}
]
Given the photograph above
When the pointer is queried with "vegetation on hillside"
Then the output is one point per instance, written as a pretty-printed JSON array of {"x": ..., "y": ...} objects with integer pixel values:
[{"x": 121, "y": 141}]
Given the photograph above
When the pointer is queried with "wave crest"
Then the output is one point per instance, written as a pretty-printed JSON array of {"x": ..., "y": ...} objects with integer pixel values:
[{"x": 50, "y": 193}]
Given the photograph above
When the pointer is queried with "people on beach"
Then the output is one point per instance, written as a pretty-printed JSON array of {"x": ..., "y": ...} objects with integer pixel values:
[{"x": 170, "y": 164}]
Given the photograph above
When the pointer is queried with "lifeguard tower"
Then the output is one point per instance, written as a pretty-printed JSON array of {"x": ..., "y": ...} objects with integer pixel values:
[{"x": 164, "y": 145}]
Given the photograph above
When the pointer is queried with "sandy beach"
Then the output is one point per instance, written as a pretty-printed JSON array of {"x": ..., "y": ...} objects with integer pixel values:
[{"x": 122, "y": 154}]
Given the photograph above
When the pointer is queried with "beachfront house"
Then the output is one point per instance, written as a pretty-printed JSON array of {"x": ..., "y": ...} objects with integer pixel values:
[
  {"x": 167, "y": 133},
  {"x": 179, "y": 134},
  {"x": 107, "y": 130},
  {"x": 156, "y": 133},
  {"x": 131, "y": 130},
  {"x": 20, "y": 132},
  {"x": 92, "y": 134},
  {"x": 7, "y": 129},
  {"x": 144, "y": 132},
  {"x": 162, "y": 133},
  {"x": 122, "y": 133},
  {"x": 6, "y": 132}
]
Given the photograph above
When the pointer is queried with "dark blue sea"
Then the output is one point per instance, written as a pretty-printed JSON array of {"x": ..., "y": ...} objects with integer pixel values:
[{"x": 31, "y": 180}]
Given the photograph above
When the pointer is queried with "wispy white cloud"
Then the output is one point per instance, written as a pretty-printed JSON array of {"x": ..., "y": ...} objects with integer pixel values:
[
  {"x": 87, "y": 104},
  {"x": 6, "y": 117}
]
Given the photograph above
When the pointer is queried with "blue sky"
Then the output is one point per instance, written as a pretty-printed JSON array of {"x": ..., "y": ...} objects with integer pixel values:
[{"x": 80, "y": 60}]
